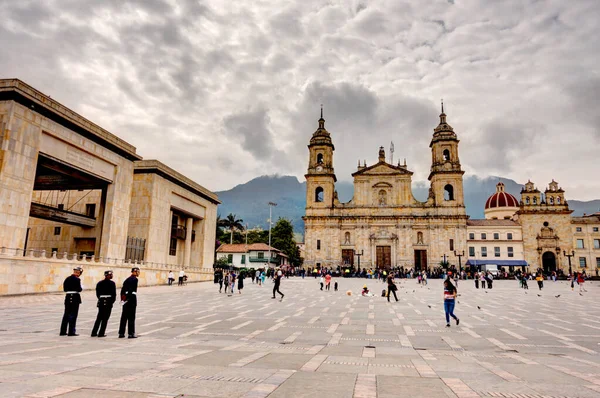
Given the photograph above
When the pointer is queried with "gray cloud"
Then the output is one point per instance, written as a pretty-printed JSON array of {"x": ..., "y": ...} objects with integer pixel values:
[{"x": 197, "y": 84}]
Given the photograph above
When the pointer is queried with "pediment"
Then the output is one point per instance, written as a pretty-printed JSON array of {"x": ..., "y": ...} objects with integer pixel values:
[
  {"x": 383, "y": 168},
  {"x": 383, "y": 185}
]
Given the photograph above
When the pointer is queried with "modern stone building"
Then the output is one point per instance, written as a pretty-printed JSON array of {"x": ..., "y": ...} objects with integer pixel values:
[
  {"x": 383, "y": 225},
  {"x": 71, "y": 191}
]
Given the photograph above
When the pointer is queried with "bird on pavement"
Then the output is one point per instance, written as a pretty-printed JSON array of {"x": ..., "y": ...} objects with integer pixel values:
[
  {"x": 478, "y": 307},
  {"x": 557, "y": 296},
  {"x": 539, "y": 295}
]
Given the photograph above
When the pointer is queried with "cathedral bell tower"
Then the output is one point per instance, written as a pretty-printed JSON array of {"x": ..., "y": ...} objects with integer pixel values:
[
  {"x": 320, "y": 177},
  {"x": 446, "y": 175}
]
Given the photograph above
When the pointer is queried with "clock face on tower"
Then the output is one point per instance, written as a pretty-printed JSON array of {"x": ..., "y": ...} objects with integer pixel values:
[{"x": 319, "y": 168}]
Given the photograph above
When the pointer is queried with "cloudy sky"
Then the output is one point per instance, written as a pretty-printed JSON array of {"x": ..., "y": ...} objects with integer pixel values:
[{"x": 227, "y": 91}]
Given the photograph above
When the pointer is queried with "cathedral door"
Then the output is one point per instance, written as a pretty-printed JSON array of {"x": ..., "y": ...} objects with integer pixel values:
[
  {"x": 548, "y": 262},
  {"x": 420, "y": 260},
  {"x": 348, "y": 257},
  {"x": 384, "y": 257}
]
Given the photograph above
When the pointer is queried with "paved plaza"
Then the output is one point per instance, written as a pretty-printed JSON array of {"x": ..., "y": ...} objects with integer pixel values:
[{"x": 196, "y": 342}]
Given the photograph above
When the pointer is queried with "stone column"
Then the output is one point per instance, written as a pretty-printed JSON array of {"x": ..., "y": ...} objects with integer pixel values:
[
  {"x": 19, "y": 146},
  {"x": 187, "y": 249}
]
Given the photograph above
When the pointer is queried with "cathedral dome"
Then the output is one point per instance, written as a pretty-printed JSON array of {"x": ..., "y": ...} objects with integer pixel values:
[{"x": 501, "y": 199}]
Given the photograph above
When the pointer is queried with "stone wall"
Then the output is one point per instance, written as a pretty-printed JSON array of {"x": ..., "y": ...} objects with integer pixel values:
[{"x": 24, "y": 275}]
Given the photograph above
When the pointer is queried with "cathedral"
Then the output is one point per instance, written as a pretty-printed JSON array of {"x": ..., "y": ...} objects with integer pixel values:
[{"x": 383, "y": 225}]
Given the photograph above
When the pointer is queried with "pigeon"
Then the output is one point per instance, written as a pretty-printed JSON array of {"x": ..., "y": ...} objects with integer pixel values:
[
  {"x": 458, "y": 302},
  {"x": 580, "y": 294},
  {"x": 557, "y": 296},
  {"x": 486, "y": 292},
  {"x": 478, "y": 307},
  {"x": 429, "y": 306},
  {"x": 539, "y": 295}
]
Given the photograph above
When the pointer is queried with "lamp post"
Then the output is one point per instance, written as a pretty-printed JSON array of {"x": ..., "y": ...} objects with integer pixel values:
[
  {"x": 271, "y": 204},
  {"x": 572, "y": 254},
  {"x": 459, "y": 255},
  {"x": 362, "y": 252}
]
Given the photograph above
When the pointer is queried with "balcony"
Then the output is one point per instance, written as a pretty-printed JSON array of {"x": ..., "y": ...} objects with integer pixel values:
[
  {"x": 274, "y": 260},
  {"x": 178, "y": 232}
]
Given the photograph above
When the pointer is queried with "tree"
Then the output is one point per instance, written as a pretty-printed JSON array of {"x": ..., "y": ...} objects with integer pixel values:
[
  {"x": 257, "y": 236},
  {"x": 282, "y": 238},
  {"x": 232, "y": 223}
]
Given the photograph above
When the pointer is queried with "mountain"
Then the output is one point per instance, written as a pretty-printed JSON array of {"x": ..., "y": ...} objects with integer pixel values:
[{"x": 249, "y": 201}]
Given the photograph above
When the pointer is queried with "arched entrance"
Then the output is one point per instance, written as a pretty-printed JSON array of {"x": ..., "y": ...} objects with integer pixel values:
[{"x": 549, "y": 262}]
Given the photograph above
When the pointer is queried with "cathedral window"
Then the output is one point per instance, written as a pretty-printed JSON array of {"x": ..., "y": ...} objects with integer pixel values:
[
  {"x": 451, "y": 244},
  {"x": 446, "y": 155},
  {"x": 382, "y": 197},
  {"x": 551, "y": 200},
  {"x": 558, "y": 200},
  {"x": 320, "y": 158},
  {"x": 448, "y": 192},
  {"x": 419, "y": 238},
  {"x": 318, "y": 244},
  {"x": 534, "y": 200},
  {"x": 527, "y": 200},
  {"x": 347, "y": 238},
  {"x": 319, "y": 194}
]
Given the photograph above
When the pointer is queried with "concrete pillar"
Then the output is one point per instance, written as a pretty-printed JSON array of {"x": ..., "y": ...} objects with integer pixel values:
[
  {"x": 19, "y": 145},
  {"x": 187, "y": 249}
]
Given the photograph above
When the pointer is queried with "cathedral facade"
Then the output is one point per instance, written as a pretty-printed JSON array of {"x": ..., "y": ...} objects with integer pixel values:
[{"x": 383, "y": 225}]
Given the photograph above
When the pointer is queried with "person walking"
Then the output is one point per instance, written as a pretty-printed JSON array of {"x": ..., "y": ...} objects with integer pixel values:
[
  {"x": 171, "y": 278},
  {"x": 106, "y": 292},
  {"x": 129, "y": 300},
  {"x": 482, "y": 280},
  {"x": 540, "y": 280},
  {"x": 258, "y": 280},
  {"x": 449, "y": 301},
  {"x": 321, "y": 281},
  {"x": 226, "y": 280},
  {"x": 391, "y": 286},
  {"x": 277, "y": 278},
  {"x": 72, "y": 288},
  {"x": 241, "y": 282},
  {"x": 233, "y": 280},
  {"x": 181, "y": 275},
  {"x": 328, "y": 281},
  {"x": 476, "y": 279},
  {"x": 220, "y": 280},
  {"x": 581, "y": 281}
]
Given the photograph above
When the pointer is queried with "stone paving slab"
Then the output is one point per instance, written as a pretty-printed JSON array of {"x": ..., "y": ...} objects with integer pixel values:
[{"x": 195, "y": 342}]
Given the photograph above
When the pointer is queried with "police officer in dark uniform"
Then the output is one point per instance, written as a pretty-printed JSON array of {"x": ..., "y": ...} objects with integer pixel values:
[
  {"x": 129, "y": 299},
  {"x": 72, "y": 288},
  {"x": 106, "y": 291}
]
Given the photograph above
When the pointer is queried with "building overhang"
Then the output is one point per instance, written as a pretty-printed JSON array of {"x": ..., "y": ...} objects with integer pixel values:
[
  {"x": 22, "y": 93},
  {"x": 158, "y": 168}
]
